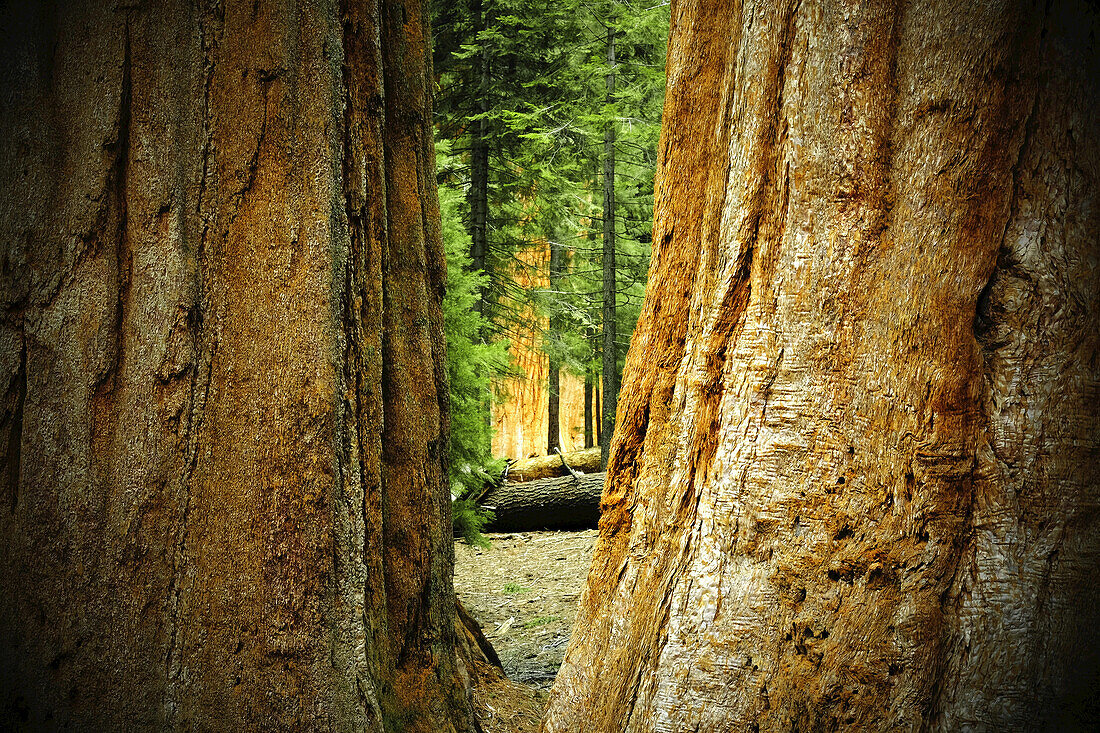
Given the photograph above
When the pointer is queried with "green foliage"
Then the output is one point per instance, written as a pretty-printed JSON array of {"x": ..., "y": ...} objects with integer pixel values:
[
  {"x": 634, "y": 110},
  {"x": 515, "y": 588},
  {"x": 471, "y": 365},
  {"x": 529, "y": 77},
  {"x": 468, "y": 520},
  {"x": 540, "y": 621},
  {"x": 525, "y": 104}
]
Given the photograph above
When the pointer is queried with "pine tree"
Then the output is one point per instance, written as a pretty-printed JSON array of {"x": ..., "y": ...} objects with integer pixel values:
[
  {"x": 472, "y": 363},
  {"x": 538, "y": 109}
]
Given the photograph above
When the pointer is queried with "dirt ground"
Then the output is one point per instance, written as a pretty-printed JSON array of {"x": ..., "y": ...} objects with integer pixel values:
[{"x": 523, "y": 591}]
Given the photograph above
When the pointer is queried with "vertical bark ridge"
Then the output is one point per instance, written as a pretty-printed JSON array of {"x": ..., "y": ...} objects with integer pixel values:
[
  {"x": 429, "y": 694},
  {"x": 742, "y": 204},
  {"x": 365, "y": 207},
  {"x": 12, "y": 423},
  {"x": 728, "y": 274},
  {"x": 692, "y": 176}
]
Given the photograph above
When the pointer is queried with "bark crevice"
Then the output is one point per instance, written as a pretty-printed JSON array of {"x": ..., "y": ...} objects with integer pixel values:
[{"x": 13, "y": 458}]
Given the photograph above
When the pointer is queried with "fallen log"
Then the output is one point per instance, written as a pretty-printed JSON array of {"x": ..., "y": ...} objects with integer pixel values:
[
  {"x": 532, "y": 469},
  {"x": 550, "y": 503}
]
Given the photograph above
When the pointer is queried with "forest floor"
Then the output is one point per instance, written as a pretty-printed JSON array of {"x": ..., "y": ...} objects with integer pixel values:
[{"x": 524, "y": 591}]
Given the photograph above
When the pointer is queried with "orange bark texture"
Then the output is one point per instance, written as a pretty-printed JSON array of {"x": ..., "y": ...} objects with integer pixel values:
[
  {"x": 856, "y": 468},
  {"x": 224, "y": 414},
  {"x": 520, "y": 418}
]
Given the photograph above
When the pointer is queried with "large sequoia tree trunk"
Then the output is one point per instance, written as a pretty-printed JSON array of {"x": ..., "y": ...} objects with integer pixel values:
[
  {"x": 855, "y": 477},
  {"x": 224, "y": 415}
]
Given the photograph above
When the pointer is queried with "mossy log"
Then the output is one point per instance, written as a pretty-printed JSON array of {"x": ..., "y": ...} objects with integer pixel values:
[{"x": 550, "y": 503}]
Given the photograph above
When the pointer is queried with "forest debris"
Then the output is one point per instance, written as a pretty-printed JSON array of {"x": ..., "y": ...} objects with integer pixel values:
[{"x": 568, "y": 468}]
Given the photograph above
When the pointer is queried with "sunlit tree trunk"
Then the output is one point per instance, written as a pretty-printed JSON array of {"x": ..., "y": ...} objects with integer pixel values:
[
  {"x": 224, "y": 420},
  {"x": 855, "y": 477}
]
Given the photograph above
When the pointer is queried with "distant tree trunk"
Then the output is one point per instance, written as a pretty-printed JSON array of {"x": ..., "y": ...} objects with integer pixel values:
[
  {"x": 225, "y": 405},
  {"x": 597, "y": 410},
  {"x": 588, "y": 380},
  {"x": 856, "y": 476},
  {"x": 478, "y": 195},
  {"x": 557, "y": 263},
  {"x": 610, "y": 350},
  {"x": 554, "y": 410},
  {"x": 591, "y": 388}
]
